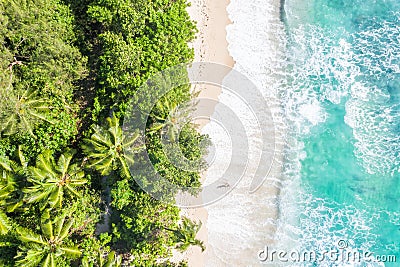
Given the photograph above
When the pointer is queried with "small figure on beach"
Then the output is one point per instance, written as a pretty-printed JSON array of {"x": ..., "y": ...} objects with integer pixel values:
[{"x": 224, "y": 185}]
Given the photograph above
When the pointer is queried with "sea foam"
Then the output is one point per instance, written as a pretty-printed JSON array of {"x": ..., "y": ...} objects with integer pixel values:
[{"x": 242, "y": 223}]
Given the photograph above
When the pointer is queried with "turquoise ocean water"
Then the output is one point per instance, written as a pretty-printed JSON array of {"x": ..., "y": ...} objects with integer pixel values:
[{"x": 342, "y": 101}]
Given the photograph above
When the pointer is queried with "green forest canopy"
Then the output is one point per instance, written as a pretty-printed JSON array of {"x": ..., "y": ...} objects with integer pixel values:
[{"x": 67, "y": 71}]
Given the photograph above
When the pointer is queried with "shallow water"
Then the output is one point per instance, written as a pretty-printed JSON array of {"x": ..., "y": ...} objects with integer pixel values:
[{"x": 342, "y": 102}]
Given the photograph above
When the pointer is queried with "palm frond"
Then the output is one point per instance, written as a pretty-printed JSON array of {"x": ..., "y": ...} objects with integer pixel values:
[
  {"x": 28, "y": 236},
  {"x": 32, "y": 258},
  {"x": 50, "y": 179},
  {"x": 105, "y": 149},
  {"x": 46, "y": 224},
  {"x": 48, "y": 261},
  {"x": 46, "y": 162},
  {"x": 5, "y": 224},
  {"x": 5, "y": 163},
  {"x": 64, "y": 162},
  {"x": 71, "y": 251},
  {"x": 24, "y": 112},
  {"x": 65, "y": 229}
]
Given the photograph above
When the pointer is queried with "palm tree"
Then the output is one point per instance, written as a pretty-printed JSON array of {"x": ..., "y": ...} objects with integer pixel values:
[
  {"x": 20, "y": 112},
  {"x": 168, "y": 116},
  {"x": 9, "y": 172},
  {"x": 52, "y": 180},
  {"x": 6, "y": 189},
  {"x": 42, "y": 249},
  {"x": 185, "y": 235},
  {"x": 111, "y": 149}
]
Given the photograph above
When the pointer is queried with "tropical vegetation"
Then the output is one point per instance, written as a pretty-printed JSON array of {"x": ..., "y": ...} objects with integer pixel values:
[{"x": 68, "y": 72}]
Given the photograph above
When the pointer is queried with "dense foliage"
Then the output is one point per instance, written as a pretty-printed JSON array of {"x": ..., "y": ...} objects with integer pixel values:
[{"x": 68, "y": 69}]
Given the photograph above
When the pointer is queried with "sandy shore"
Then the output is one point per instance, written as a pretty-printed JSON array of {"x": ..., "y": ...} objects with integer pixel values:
[
  {"x": 238, "y": 225},
  {"x": 209, "y": 46}
]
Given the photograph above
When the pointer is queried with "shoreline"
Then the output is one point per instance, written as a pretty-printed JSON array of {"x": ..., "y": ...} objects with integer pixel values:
[
  {"x": 210, "y": 45},
  {"x": 222, "y": 223}
]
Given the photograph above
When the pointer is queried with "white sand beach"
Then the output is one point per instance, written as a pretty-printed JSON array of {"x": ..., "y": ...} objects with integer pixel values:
[{"x": 211, "y": 45}]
